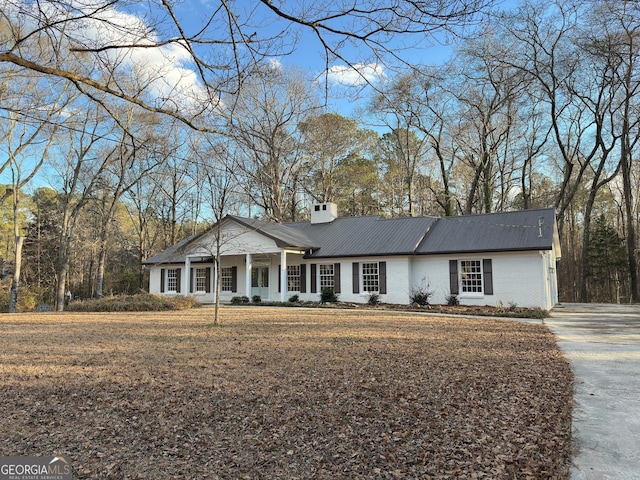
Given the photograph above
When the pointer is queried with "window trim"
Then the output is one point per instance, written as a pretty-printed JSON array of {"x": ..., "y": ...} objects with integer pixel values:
[
  {"x": 172, "y": 273},
  {"x": 202, "y": 278},
  {"x": 326, "y": 276},
  {"x": 292, "y": 276},
  {"x": 365, "y": 272},
  {"x": 471, "y": 281},
  {"x": 486, "y": 277},
  {"x": 357, "y": 273},
  {"x": 228, "y": 278}
]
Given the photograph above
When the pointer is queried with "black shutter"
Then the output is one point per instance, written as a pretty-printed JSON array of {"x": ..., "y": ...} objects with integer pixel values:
[
  {"x": 453, "y": 277},
  {"x": 279, "y": 278},
  {"x": 162, "y": 280},
  {"x": 336, "y": 278},
  {"x": 382, "y": 277},
  {"x": 487, "y": 271},
  {"x": 303, "y": 278},
  {"x": 193, "y": 279},
  {"x": 314, "y": 280},
  {"x": 208, "y": 280},
  {"x": 178, "y": 273},
  {"x": 355, "y": 277},
  {"x": 234, "y": 279}
]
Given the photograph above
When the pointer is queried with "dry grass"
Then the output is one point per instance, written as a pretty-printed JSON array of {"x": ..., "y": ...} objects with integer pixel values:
[{"x": 285, "y": 393}]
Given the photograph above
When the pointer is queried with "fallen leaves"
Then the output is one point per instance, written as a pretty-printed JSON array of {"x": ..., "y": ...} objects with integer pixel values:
[{"x": 286, "y": 393}]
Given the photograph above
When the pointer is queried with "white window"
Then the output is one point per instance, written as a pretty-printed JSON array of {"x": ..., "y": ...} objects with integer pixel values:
[
  {"x": 326, "y": 276},
  {"x": 172, "y": 280},
  {"x": 293, "y": 278},
  {"x": 201, "y": 280},
  {"x": 226, "y": 279},
  {"x": 471, "y": 276},
  {"x": 370, "y": 277}
]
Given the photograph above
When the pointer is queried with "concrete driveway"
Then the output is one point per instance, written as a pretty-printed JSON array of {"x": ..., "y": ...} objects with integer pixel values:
[{"x": 602, "y": 343}]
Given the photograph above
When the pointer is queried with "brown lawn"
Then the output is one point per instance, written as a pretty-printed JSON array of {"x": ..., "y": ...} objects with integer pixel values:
[{"x": 285, "y": 393}]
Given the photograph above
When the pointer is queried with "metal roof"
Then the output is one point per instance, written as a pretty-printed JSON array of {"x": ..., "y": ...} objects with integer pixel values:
[
  {"x": 284, "y": 235},
  {"x": 173, "y": 254},
  {"x": 493, "y": 232},
  {"x": 366, "y": 236},
  {"x": 377, "y": 236}
]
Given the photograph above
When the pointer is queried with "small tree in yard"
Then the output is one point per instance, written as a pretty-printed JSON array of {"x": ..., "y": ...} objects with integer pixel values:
[{"x": 221, "y": 188}]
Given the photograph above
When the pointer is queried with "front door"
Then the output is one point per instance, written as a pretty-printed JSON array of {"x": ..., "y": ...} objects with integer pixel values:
[{"x": 260, "y": 282}]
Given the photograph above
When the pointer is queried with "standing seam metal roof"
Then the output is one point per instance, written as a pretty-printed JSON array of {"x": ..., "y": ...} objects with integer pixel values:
[
  {"x": 492, "y": 232},
  {"x": 366, "y": 236},
  {"x": 377, "y": 236}
]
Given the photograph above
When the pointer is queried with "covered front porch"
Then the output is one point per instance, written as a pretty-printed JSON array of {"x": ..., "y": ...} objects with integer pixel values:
[{"x": 251, "y": 274}]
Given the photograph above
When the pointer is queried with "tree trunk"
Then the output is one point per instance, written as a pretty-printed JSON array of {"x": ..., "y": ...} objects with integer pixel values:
[
  {"x": 13, "y": 295},
  {"x": 102, "y": 257},
  {"x": 584, "y": 261},
  {"x": 631, "y": 233},
  {"x": 62, "y": 269},
  {"x": 104, "y": 237},
  {"x": 61, "y": 283},
  {"x": 216, "y": 310},
  {"x": 625, "y": 158}
]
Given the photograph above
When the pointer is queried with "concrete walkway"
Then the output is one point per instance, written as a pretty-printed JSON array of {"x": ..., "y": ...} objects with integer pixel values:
[{"x": 602, "y": 343}]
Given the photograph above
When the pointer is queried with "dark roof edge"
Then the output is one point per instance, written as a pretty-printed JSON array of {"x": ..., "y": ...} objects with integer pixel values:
[
  {"x": 495, "y": 250},
  {"x": 242, "y": 221},
  {"x": 363, "y": 255},
  {"x": 415, "y": 254},
  {"x": 280, "y": 243}
]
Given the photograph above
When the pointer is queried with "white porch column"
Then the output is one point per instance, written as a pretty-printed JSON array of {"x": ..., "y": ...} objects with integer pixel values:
[
  {"x": 283, "y": 276},
  {"x": 248, "y": 275},
  {"x": 187, "y": 276}
]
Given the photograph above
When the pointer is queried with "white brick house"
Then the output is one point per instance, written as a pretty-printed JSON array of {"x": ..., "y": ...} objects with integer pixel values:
[{"x": 507, "y": 258}]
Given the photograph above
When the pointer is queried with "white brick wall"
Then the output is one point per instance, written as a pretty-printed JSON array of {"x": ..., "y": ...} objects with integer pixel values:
[
  {"x": 526, "y": 279},
  {"x": 518, "y": 277},
  {"x": 521, "y": 278}
]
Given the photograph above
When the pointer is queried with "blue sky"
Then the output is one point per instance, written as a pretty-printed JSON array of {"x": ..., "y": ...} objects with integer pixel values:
[
  {"x": 175, "y": 76},
  {"x": 307, "y": 52}
]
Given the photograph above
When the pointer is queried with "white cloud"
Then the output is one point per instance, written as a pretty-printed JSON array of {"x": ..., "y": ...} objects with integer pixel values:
[
  {"x": 275, "y": 64},
  {"x": 164, "y": 73},
  {"x": 356, "y": 75}
]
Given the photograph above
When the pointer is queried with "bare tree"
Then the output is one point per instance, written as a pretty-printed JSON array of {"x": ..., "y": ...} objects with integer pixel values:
[
  {"x": 142, "y": 205},
  {"x": 269, "y": 109},
  {"x": 621, "y": 46},
  {"x": 174, "y": 179},
  {"x": 27, "y": 133},
  {"x": 222, "y": 192},
  {"x": 81, "y": 163},
  {"x": 222, "y": 49},
  {"x": 546, "y": 53},
  {"x": 121, "y": 175},
  {"x": 328, "y": 142},
  {"x": 486, "y": 90},
  {"x": 577, "y": 84},
  {"x": 405, "y": 147}
]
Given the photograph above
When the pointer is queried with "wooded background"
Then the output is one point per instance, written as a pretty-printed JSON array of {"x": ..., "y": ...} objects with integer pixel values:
[{"x": 538, "y": 106}]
